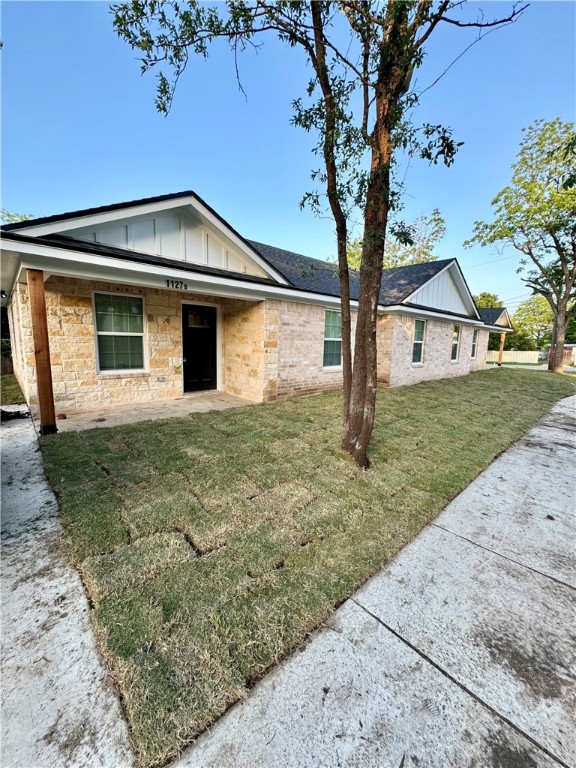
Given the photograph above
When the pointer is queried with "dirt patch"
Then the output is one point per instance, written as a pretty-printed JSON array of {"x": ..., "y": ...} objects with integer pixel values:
[{"x": 536, "y": 668}]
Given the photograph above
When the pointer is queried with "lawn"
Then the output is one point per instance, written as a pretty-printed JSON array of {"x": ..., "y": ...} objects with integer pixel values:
[
  {"x": 210, "y": 546},
  {"x": 10, "y": 393}
]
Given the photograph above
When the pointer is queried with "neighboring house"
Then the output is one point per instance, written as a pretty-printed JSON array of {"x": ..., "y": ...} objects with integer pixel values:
[{"x": 159, "y": 297}]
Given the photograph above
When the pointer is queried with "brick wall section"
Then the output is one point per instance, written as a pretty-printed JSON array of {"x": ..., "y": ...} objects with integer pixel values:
[
  {"x": 77, "y": 383},
  {"x": 437, "y": 349},
  {"x": 298, "y": 330},
  {"x": 384, "y": 347}
]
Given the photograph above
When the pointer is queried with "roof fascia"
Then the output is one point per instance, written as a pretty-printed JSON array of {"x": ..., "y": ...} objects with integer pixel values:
[
  {"x": 456, "y": 273},
  {"x": 498, "y": 329},
  {"x": 105, "y": 217},
  {"x": 402, "y": 309}
]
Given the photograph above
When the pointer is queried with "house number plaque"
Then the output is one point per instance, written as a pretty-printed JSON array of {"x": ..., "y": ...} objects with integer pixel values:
[{"x": 177, "y": 284}]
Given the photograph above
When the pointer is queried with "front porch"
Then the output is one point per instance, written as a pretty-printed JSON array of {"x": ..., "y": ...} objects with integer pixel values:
[
  {"x": 176, "y": 341},
  {"x": 112, "y": 416}
]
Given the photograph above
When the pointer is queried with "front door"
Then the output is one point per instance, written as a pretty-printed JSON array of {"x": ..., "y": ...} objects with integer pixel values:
[{"x": 199, "y": 347}]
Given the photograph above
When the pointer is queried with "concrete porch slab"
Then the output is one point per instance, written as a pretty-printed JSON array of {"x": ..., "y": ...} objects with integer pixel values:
[{"x": 198, "y": 402}]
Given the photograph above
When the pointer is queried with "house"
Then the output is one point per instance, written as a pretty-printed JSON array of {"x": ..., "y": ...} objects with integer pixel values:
[{"x": 158, "y": 297}]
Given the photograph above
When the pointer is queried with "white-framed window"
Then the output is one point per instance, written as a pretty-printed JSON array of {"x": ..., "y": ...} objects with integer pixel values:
[
  {"x": 332, "y": 339},
  {"x": 456, "y": 332},
  {"x": 474, "y": 342},
  {"x": 119, "y": 331},
  {"x": 418, "y": 343}
]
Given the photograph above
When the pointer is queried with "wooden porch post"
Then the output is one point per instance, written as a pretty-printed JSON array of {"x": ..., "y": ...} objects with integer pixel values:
[
  {"x": 35, "y": 280},
  {"x": 501, "y": 350}
]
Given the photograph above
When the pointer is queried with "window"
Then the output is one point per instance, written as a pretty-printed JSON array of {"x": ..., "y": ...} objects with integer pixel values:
[
  {"x": 119, "y": 332},
  {"x": 418, "y": 345},
  {"x": 332, "y": 339},
  {"x": 474, "y": 342},
  {"x": 455, "y": 342}
]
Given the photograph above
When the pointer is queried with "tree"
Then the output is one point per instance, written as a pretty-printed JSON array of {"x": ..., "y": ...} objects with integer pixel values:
[
  {"x": 412, "y": 244},
  {"x": 9, "y": 218},
  {"x": 536, "y": 214},
  {"x": 362, "y": 56},
  {"x": 534, "y": 316},
  {"x": 487, "y": 300}
]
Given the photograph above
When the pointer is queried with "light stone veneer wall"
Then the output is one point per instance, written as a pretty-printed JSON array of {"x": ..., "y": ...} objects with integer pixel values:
[
  {"x": 437, "y": 351},
  {"x": 269, "y": 349},
  {"x": 77, "y": 383},
  {"x": 299, "y": 330},
  {"x": 20, "y": 339}
]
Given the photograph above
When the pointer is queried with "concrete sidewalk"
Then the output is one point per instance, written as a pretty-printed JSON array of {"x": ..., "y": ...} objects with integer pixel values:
[
  {"x": 58, "y": 708},
  {"x": 459, "y": 653}
]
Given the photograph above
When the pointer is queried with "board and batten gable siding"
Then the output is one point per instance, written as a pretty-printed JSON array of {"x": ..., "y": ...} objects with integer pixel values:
[
  {"x": 441, "y": 293},
  {"x": 174, "y": 235},
  {"x": 437, "y": 362},
  {"x": 77, "y": 383}
]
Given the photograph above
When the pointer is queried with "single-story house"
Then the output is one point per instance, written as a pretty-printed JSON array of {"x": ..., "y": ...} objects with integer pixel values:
[{"x": 159, "y": 297}]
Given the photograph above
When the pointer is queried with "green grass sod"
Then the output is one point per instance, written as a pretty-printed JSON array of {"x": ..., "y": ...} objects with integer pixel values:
[{"x": 212, "y": 545}]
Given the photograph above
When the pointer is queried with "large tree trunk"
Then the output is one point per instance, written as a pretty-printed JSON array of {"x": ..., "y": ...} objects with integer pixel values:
[
  {"x": 362, "y": 405},
  {"x": 394, "y": 72},
  {"x": 556, "y": 355}
]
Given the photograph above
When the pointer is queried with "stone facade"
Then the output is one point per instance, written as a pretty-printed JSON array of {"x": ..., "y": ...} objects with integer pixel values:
[
  {"x": 266, "y": 349},
  {"x": 395, "y": 350},
  {"x": 78, "y": 384}
]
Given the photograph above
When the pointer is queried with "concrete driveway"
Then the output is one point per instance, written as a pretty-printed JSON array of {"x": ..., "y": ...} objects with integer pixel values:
[{"x": 458, "y": 654}]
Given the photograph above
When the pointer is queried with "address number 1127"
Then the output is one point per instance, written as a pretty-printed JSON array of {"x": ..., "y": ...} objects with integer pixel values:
[{"x": 177, "y": 284}]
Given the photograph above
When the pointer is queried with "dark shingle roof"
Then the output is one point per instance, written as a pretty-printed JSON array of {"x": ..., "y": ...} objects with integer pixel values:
[
  {"x": 104, "y": 209},
  {"x": 301, "y": 272},
  {"x": 489, "y": 315},
  {"x": 322, "y": 277}
]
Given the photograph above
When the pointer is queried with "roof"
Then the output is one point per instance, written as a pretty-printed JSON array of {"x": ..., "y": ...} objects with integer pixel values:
[
  {"x": 490, "y": 315},
  {"x": 105, "y": 209},
  {"x": 301, "y": 272},
  {"x": 322, "y": 277}
]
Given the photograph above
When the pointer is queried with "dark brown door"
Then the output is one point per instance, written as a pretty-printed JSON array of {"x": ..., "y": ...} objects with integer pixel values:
[{"x": 199, "y": 347}]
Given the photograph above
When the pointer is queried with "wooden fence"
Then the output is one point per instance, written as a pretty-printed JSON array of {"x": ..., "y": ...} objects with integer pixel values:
[{"x": 513, "y": 357}]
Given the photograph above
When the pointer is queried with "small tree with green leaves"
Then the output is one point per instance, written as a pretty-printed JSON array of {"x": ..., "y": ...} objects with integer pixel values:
[
  {"x": 362, "y": 56},
  {"x": 406, "y": 244},
  {"x": 534, "y": 316},
  {"x": 536, "y": 214},
  {"x": 487, "y": 300}
]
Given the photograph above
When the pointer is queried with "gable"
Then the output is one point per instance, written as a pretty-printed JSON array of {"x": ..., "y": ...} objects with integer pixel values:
[
  {"x": 446, "y": 291},
  {"x": 173, "y": 234},
  {"x": 179, "y": 226}
]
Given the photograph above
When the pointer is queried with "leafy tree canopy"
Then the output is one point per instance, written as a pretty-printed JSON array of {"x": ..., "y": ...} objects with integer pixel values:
[
  {"x": 409, "y": 244},
  {"x": 536, "y": 214},
  {"x": 6, "y": 217},
  {"x": 486, "y": 300},
  {"x": 361, "y": 56},
  {"x": 535, "y": 317}
]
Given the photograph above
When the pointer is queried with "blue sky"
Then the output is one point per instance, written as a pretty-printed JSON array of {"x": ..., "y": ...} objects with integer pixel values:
[{"x": 79, "y": 127}]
